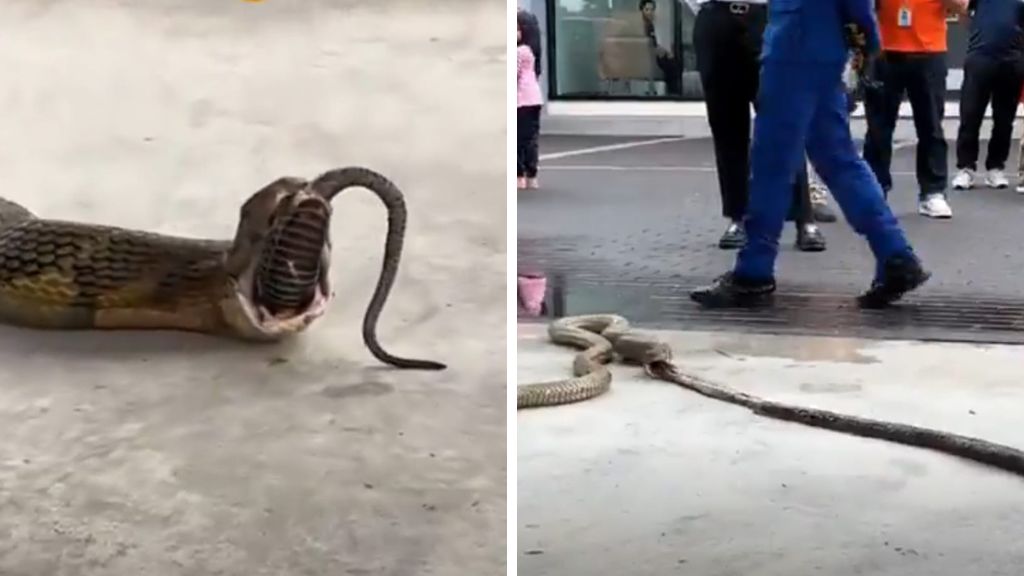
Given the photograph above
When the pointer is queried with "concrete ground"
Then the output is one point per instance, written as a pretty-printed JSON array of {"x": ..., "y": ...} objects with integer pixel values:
[
  {"x": 159, "y": 453},
  {"x": 650, "y": 479},
  {"x": 605, "y": 200}
]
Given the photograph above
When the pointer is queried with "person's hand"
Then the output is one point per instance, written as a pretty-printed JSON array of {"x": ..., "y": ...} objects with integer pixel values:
[
  {"x": 857, "y": 61},
  {"x": 955, "y": 7},
  {"x": 661, "y": 51}
]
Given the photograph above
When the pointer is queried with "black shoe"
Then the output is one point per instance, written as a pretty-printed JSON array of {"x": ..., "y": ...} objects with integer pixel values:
[
  {"x": 902, "y": 274},
  {"x": 733, "y": 238},
  {"x": 809, "y": 238},
  {"x": 727, "y": 291}
]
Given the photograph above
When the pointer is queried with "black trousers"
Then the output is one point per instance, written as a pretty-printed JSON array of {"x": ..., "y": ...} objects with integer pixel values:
[
  {"x": 527, "y": 130},
  {"x": 670, "y": 69},
  {"x": 728, "y": 44},
  {"x": 922, "y": 77},
  {"x": 988, "y": 80}
]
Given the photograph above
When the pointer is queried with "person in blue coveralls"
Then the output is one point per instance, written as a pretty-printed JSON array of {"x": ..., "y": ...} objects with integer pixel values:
[{"x": 802, "y": 106}]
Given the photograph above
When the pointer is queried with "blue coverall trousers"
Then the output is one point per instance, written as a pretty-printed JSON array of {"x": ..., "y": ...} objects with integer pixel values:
[{"x": 802, "y": 106}]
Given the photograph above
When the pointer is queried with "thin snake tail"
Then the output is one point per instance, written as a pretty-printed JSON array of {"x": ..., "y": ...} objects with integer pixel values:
[
  {"x": 1006, "y": 458},
  {"x": 331, "y": 183}
]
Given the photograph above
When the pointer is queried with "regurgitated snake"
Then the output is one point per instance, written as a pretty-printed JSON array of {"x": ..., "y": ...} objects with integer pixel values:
[
  {"x": 603, "y": 336},
  {"x": 270, "y": 282}
]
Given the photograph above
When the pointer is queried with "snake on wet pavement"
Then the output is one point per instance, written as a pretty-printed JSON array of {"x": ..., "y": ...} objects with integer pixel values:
[
  {"x": 604, "y": 337},
  {"x": 269, "y": 282}
]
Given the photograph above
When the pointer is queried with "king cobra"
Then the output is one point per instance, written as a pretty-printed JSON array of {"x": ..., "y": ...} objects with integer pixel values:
[
  {"x": 271, "y": 281},
  {"x": 605, "y": 336}
]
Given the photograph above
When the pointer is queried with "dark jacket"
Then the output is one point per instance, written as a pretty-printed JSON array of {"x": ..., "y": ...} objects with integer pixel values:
[
  {"x": 813, "y": 30},
  {"x": 997, "y": 29}
]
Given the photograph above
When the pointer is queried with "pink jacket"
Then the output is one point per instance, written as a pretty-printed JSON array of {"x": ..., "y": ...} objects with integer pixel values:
[{"x": 528, "y": 88}]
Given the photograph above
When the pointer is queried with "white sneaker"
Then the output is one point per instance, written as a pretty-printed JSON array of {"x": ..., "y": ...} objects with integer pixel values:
[
  {"x": 996, "y": 179},
  {"x": 1020, "y": 186},
  {"x": 964, "y": 179},
  {"x": 935, "y": 206}
]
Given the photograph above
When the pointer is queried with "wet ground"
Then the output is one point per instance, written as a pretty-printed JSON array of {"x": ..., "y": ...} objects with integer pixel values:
[
  {"x": 172, "y": 454},
  {"x": 649, "y": 479},
  {"x": 631, "y": 224}
]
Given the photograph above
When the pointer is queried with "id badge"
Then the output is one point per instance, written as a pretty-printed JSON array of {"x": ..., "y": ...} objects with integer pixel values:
[{"x": 904, "y": 17}]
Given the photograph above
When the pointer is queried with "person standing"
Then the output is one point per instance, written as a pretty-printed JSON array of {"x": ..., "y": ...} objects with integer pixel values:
[
  {"x": 993, "y": 72},
  {"x": 663, "y": 57},
  {"x": 803, "y": 106},
  {"x": 913, "y": 62},
  {"x": 528, "y": 98},
  {"x": 727, "y": 38},
  {"x": 818, "y": 190},
  {"x": 1020, "y": 156}
]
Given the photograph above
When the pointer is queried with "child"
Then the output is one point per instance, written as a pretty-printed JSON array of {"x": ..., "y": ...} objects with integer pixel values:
[{"x": 529, "y": 99}]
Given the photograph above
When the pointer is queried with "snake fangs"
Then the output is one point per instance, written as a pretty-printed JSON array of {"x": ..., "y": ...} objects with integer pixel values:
[
  {"x": 270, "y": 282},
  {"x": 604, "y": 336}
]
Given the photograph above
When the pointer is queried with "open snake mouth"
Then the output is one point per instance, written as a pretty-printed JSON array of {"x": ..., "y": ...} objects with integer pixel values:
[
  {"x": 290, "y": 273},
  {"x": 285, "y": 285}
]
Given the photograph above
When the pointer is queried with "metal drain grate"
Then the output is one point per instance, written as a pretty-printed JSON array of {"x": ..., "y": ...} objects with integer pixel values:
[{"x": 948, "y": 318}]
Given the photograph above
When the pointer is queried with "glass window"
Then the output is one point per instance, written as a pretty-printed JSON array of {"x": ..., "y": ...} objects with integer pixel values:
[{"x": 634, "y": 49}]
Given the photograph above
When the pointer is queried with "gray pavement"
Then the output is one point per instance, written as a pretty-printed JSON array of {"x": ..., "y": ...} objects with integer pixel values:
[
  {"x": 650, "y": 479},
  {"x": 174, "y": 454},
  {"x": 639, "y": 226}
]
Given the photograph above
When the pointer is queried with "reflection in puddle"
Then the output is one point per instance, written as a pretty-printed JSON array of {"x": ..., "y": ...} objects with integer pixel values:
[
  {"x": 831, "y": 324},
  {"x": 540, "y": 294},
  {"x": 798, "y": 348},
  {"x": 531, "y": 290}
]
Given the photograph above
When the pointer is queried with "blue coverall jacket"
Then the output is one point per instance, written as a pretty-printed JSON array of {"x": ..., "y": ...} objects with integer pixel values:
[
  {"x": 812, "y": 30},
  {"x": 802, "y": 106}
]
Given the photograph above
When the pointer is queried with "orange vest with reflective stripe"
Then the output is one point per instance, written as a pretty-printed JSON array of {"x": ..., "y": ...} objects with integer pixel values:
[{"x": 927, "y": 30}]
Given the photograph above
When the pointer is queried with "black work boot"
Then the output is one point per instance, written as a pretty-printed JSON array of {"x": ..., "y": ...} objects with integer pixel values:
[
  {"x": 901, "y": 274},
  {"x": 734, "y": 237},
  {"x": 728, "y": 291},
  {"x": 809, "y": 238}
]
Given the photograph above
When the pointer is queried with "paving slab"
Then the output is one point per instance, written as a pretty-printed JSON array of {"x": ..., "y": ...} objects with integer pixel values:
[
  {"x": 160, "y": 453},
  {"x": 651, "y": 479}
]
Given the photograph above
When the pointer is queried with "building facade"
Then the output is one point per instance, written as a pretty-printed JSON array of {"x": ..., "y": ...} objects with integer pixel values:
[{"x": 599, "y": 61}]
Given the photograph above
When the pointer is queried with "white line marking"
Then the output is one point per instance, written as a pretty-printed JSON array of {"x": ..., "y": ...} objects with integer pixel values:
[
  {"x": 708, "y": 169},
  {"x": 608, "y": 148}
]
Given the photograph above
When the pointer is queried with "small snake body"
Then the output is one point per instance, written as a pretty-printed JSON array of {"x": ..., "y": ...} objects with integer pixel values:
[
  {"x": 593, "y": 378},
  {"x": 269, "y": 282}
]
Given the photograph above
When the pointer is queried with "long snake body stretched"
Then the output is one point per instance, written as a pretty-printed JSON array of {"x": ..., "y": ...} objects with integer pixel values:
[
  {"x": 606, "y": 336},
  {"x": 271, "y": 281}
]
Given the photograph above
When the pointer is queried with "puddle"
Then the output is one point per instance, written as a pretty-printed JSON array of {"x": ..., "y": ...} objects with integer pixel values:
[
  {"x": 797, "y": 348},
  {"x": 827, "y": 326}
]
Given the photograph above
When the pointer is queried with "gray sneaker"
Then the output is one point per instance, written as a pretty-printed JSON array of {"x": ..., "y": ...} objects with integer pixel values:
[{"x": 819, "y": 204}]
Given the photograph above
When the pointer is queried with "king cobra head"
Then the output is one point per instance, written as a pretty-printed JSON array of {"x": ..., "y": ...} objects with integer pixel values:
[{"x": 279, "y": 262}]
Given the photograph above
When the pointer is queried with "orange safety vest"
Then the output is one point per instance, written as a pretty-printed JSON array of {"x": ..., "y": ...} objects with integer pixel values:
[{"x": 927, "y": 30}]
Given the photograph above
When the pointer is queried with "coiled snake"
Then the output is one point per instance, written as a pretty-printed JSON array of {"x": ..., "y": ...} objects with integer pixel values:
[
  {"x": 603, "y": 336},
  {"x": 271, "y": 281}
]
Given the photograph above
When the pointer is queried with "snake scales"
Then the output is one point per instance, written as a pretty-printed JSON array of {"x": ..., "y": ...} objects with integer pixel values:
[
  {"x": 604, "y": 336},
  {"x": 271, "y": 281}
]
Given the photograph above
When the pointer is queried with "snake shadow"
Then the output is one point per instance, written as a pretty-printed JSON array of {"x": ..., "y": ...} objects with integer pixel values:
[{"x": 125, "y": 344}]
